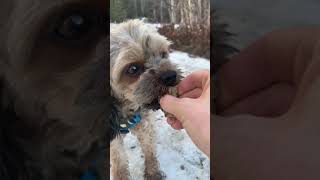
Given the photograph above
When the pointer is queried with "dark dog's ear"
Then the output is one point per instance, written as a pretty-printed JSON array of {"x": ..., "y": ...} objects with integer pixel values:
[
  {"x": 114, "y": 119},
  {"x": 114, "y": 122}
]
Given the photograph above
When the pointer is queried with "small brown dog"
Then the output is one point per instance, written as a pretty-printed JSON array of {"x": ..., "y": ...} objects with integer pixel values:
[{"x": 140, "y": 74}]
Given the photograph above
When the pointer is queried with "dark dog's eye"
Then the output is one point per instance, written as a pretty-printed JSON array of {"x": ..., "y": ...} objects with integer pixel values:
[
  {"x": 75, "y": 27},
  {"x": 135, "y": 69},
  {"x": 163, "y": 54}
]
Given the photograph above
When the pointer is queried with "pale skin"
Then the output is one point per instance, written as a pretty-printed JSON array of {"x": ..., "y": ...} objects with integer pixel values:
[
  {"x": 269, "y": 100},
  {"x": 268, "y": 125},
  {"x": 192, "y": 109}
]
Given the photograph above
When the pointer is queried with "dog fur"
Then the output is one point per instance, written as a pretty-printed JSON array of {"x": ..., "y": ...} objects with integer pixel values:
[
  {"x": 53, "y": 89},
  {"x": 134, "y": 42}
]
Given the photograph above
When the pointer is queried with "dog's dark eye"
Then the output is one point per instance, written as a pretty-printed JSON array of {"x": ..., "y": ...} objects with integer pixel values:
[
  {"x": 75, "y": 27},
  {"x": 163, "y": 54},
  {"x": 135, "y": 69}
]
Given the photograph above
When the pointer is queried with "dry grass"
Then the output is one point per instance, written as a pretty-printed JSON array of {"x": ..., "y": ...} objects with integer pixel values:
[{"x": 195, "y": 40}]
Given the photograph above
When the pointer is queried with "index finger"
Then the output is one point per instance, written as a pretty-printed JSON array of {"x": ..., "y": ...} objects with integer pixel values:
[
  {"x": 280, "y": 57},
  {"x": 193, "y": 81}
]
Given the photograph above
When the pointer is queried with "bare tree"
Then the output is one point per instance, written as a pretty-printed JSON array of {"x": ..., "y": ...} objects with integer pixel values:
[{"x": 189, "y": 12}]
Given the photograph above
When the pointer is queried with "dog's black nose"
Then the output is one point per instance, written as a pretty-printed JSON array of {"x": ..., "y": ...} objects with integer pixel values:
[{"x": 169, "y": 78}]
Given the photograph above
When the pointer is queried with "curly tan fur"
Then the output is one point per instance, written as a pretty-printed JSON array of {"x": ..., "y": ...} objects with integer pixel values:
[{"x": 134, "y": 42}]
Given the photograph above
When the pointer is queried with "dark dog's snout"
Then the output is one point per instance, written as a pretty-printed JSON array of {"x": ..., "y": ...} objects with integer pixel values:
[{"x": 169, "y": 78}]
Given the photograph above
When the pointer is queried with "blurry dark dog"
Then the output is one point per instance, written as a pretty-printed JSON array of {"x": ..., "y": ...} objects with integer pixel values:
[
  {"x": 140, "y": 74},
  {"x": 53, "y": 89}
]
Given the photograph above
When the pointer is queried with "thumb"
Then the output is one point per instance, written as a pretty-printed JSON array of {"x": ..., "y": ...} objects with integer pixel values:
[{"x": 172, "y": 105}]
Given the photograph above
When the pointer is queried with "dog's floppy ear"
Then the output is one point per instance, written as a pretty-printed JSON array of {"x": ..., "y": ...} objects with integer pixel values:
[
  {"x": 114, "y": 119},
  {"x": 113, "y": 122}
]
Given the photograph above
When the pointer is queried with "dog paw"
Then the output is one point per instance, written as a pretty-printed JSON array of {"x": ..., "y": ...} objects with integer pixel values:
[{"x": 155, "y": 176}]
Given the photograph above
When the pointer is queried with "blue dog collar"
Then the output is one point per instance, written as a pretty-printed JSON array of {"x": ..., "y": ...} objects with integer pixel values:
[{"x": 132, "y": 123}]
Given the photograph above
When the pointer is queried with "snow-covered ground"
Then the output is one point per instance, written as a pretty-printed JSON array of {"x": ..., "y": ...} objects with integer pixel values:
[
  {"x": 179, "y": 158},
  {"x": 156, "y": 25}
]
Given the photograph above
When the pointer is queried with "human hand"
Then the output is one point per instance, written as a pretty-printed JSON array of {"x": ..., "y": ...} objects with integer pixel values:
[
  {"x": 268, "y": 99},
  {"x": 192, "y": 109}
]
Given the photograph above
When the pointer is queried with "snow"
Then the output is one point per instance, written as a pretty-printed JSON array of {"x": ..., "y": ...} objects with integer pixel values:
[
  {"x": 156, "y": 25},
  {"x": 179, "y": 158},
  {"x": 189, "y": 64}
]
